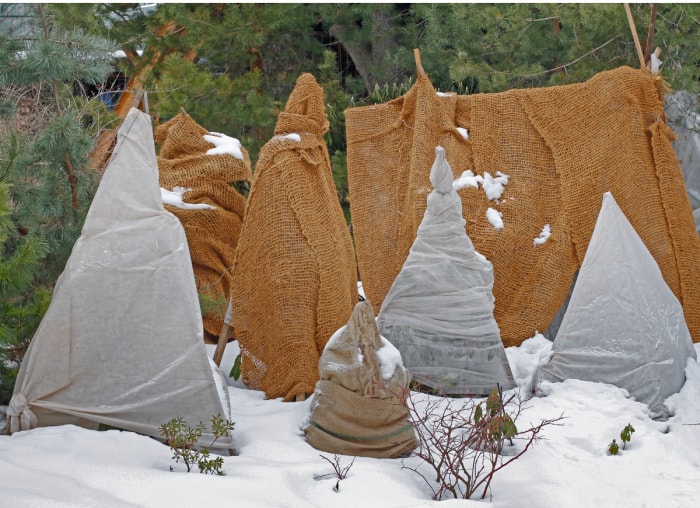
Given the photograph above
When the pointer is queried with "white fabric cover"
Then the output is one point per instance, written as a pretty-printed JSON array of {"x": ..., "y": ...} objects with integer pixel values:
[
  {"x": 121, "y": 343},
  {"x": 439, "y": 310},
  {"x": 684, "y": 118},
  {"x": 623, "y": 326}
]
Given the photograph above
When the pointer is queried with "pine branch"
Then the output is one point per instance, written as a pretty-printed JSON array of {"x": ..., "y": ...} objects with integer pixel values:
[{"x": 564, "y": 66}]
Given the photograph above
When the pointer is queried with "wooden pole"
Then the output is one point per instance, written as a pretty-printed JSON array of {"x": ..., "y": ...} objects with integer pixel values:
[
  {"x": 419, "y": 65},
  {"x": 221, "y": 344},
  {"x": 650, "y": 33},
  {"x": 635, "y": 36}
]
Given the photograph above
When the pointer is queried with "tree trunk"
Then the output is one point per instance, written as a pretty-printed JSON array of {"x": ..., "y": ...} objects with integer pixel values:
[{"x": 368, "y": 55}]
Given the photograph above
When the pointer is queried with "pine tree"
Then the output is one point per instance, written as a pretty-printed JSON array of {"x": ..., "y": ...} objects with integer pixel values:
[
  {"x": 496, "y": 47},
  {"x": 47, "y": 132},
  {"x": 229, "y": 66},
  {"x": 20, "y": 305}
]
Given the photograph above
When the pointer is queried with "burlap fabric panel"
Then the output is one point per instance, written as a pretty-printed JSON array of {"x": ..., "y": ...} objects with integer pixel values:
[
  {"x": 356, "y": 411},
  {"x": 212, "y": 234},
  {"x": 561, "y": 147},
  {"x": 295, "y": 277}
]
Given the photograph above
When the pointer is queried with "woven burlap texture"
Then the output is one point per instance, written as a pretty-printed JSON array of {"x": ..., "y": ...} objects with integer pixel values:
[
  {"x": 295, "y": 276},
  {"x": 212, "y": 234},
  {"x": 562, "y": 148},
  {"x": 358, "y": 410}
]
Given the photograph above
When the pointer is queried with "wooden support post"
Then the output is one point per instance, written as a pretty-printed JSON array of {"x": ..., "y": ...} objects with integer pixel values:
[
  {"x": 419, "y": 66},
  {"x": 635, "y": 36},
  {"x": 650, "y": 34},
  {"x": 221, "y": 344}
]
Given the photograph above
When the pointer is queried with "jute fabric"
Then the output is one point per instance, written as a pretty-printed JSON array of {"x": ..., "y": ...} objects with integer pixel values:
[
  {"x": 295, "y": 276},
  {"x": 212, "y": 234},
  {"x": 358, "y": 406},
  {"x": 562, "y": 147}
]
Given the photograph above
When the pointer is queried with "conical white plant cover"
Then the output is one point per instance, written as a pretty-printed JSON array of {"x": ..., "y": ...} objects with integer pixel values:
[
  {"x": 439, "y": 310},
  {"x": 121, "y": 343},
  {"x": 623, "y": 326}
]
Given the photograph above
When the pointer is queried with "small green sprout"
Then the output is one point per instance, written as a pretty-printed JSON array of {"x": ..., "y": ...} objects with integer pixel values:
[{"x": 626, "y": 434}]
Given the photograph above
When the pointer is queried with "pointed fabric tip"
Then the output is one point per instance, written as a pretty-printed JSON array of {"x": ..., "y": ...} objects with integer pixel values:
[
  {"x": 441, "y": 173},
  {"x": 123, "y": 196},
  {"x": 359, "y": 335},
  {"x": 305, "y": 110},
  {"x": 439, "y": 310}
]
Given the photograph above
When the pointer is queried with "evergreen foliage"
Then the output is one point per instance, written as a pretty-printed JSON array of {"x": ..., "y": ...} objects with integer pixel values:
[
  {"x": 46, "y": 136},
  {"x": 183, "y": 438},
  {"x": 20, "y": 306},
  {"x": 496, "y": 47},
  {"x": 230, "y": 66}
]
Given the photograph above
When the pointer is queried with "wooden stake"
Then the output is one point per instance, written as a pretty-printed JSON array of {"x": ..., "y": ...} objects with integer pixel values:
[
  {"x": 635, "y": 36},
  {"x": 419, "y": 66},
  {"x": 221, "y": 344},
  {"x": 650, "y": 33}
]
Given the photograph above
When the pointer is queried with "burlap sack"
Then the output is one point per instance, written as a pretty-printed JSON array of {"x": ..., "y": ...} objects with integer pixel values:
[
  {"x": 295, "y": 277},
  {"x": 357, "y": 407},
  {"x": 562, "y": 148},
  {"x": 212, "y": 234}
]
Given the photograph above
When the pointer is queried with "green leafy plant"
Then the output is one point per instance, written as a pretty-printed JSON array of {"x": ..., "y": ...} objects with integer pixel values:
[
  {"x": 182, "y": 439},
  {"x": 626, "y": 434},
  {"x": 236, "y": 368},
  {"x": 498, "y": 425}
]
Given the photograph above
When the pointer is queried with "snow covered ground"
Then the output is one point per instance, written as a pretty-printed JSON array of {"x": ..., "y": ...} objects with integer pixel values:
[{"x": 570, "y": 467}]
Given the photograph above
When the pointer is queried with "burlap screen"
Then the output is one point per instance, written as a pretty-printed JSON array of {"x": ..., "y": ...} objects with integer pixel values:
[
  {"x": 295, "y": 277},
  {"x": 212, "y": 234},
  {"x": 562, "y": 148}
]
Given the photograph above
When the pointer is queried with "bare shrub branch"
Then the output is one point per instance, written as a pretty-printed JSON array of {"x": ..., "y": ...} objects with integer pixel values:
[{"x": 465, "y": 442}]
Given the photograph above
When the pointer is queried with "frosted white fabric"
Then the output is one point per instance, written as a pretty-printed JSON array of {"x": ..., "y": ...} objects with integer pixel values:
[
  {"x": 623, "y": 326},
  {"x": 121, "y": 343},
  {"x": 683, "y": 115},
  {"x": 439, "y": 310}
]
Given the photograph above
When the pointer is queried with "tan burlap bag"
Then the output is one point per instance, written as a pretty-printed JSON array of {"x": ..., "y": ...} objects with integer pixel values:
[
  {"x": 212, "y": 234},
  {"x": 562, "y": 148},
  {"x": 358, "y": 407},
  {"x": 295, "y": 277}
]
